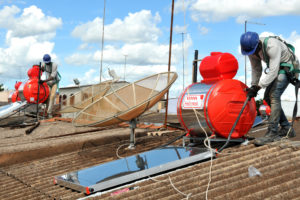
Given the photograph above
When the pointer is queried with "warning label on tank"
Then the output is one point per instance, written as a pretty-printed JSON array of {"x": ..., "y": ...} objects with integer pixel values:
[{"x": 193, "y": 101}]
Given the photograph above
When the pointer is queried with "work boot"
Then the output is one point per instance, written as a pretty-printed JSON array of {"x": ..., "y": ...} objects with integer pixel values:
[
  {"x": 286, "y": 132},
  {"x": 269, "y": 137}
]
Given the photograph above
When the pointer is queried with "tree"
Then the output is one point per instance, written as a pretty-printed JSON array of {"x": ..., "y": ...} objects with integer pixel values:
[{"x": 1, "y": 87}]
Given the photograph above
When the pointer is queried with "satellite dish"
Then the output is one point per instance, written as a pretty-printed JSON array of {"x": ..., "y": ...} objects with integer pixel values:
[
  {"x": 76, "y": 81},
  {"x": 84, "y": 97},
  {"x": 127, "y": 102},
  {"x": 113, "y": 75}
]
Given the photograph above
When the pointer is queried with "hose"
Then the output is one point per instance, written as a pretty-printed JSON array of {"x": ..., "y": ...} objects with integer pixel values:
[{"x": 234, "y": 125}]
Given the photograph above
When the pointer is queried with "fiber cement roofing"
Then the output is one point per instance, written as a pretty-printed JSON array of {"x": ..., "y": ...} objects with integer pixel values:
[{"x": 32, "y": 177}]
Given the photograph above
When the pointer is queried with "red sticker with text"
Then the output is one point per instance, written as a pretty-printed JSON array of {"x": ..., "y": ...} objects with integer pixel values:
[{"x": 193, "y": 101}]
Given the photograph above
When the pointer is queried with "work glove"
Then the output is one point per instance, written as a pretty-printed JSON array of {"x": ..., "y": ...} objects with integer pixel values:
[
  {"x": 252, "y": 91},
  {"x": 41, "y": 81}
]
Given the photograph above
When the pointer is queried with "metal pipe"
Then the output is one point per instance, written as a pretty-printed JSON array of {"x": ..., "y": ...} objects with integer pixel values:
[
  {"x": 169, "y": 63},
  {"x": 195, "y": 63},
  {"x": 38, "y": 94},
  {"x": 182, "y": 37},
  {"x": 102, "y": 46}
]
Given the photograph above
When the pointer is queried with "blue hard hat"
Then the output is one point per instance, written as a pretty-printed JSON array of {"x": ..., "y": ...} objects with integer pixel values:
[
  {"x": 47, "y": 58},
  {"x": 249, "y": 42}
]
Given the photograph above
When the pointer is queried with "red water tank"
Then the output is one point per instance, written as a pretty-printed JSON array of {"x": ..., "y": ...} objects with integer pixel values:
[
  {"x": 215, "y": 107},
  {"x": 218, "y": 66},
  {"x": 17, "y": 85},
  {"x": 15, "y": 96},
  {"x": 33, "y": 73},
  {"x": 29, "y": 91}
]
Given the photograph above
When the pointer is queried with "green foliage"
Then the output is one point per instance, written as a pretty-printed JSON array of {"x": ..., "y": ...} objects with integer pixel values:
[
  {"x": 258, "y": 104},
  {"x": 1, "y": 87}
]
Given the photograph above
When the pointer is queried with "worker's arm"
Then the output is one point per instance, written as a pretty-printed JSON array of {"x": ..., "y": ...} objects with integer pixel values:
[
  {"x": 53, "y": 73},
  {"x": 256, "y": 69},
  {"x": 43, "y": 67},
  {"x": 273, "y": 50}
]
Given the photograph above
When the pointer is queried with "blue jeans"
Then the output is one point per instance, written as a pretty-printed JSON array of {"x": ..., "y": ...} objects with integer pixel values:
[{"x": 272, "y": 96}]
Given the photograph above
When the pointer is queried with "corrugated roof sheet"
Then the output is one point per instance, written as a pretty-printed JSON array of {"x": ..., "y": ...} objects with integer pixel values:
[{"x": 279, "y": 164}]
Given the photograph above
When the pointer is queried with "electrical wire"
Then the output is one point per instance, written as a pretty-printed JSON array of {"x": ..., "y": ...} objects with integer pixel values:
[
  {"x": 211, "y": 152},
  {"x": 208, "y": 146},
  {"x": 117, "y": 151},
  {"x": 187, "y": 196}
]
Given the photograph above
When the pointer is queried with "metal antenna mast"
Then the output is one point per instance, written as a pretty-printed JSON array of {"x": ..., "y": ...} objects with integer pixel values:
[
  {"x": 102, "y": 40},
  {"x": 182, "y": 37},
  {"x": 169, "y": 63},
  {"x": 249, "y": 22},
  {"x": 125, "y": 66}
]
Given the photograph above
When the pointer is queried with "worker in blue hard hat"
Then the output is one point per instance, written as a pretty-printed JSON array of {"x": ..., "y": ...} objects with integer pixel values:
[
  {"x": 280, "y": 60},
  {"x": 52, "y": 80}
]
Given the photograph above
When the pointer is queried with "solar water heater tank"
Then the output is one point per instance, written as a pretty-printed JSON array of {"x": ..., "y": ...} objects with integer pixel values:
[
  {"x": 31, "y": 89},
  {"x": 15, "y": 96},
  {"x": 213, "y": 104}
]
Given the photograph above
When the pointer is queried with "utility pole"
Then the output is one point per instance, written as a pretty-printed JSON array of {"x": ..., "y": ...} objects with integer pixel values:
[
  {"x": 102, "y": 46},
  {"x": 125, "y": 67},
  {"x": 169, "y": 63},
  {"x": 249, "y": 22},
  {"x": 182, "y": 37}
]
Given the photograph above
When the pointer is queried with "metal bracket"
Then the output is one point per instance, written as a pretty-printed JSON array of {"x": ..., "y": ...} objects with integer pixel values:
[
  {"x": 132, "y": 125},
  {"x": 197, "y": 140}
]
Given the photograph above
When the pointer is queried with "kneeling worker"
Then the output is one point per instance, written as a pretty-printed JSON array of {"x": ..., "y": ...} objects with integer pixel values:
[{"x": 280, "y": 60}]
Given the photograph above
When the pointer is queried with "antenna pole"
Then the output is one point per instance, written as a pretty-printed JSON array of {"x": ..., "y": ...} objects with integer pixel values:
[
  {"x": 169, "y": 63},
  {"x": 102, "y": 40},
  {"x": 182, "y": 37},
  {"x": 249, "y": 22},
  {"x": 125, "y": 67}
]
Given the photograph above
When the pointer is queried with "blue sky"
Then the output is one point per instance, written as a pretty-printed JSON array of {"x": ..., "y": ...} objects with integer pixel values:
[{"x": 71, "y": 31}]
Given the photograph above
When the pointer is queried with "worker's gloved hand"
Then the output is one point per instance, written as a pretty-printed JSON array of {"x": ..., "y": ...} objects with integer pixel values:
[
  {"x": 41, "y": 81},
  {"x": 252, "y": 91}
]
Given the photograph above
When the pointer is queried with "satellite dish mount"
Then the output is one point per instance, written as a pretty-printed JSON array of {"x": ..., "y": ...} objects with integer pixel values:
[{"x": 132, "y": 125}]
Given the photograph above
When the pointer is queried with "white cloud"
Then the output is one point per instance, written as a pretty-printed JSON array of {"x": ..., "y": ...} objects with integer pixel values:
[
  {"x": 79, "y": 59},
  {"x": 219, "y": 10},
  {"x": 294, "y": 39},
  {"x": 137, "y": 54},
  {"x": 203, "y": 30},
  {"x": 23, "y": 52},
  {"x": 89, "y": 77},
  {"x": 136, "y": 36},
  {"x": 141, "y": 53},
  {"x": 27, "y": 39},
  {"x": 180, "y": 29},
  {"x": 181, "y": 5},
  {"x": 31, "y": 22},
  {"x": 7, "y": 14},
  {"x": 133, "y": 73},
  {"x": 136, "y": 27}
]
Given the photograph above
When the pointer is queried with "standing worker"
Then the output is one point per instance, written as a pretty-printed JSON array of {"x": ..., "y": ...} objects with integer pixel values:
[
  {"x": 52, "y": 79},
  {"x": 281, "y": 64}
]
